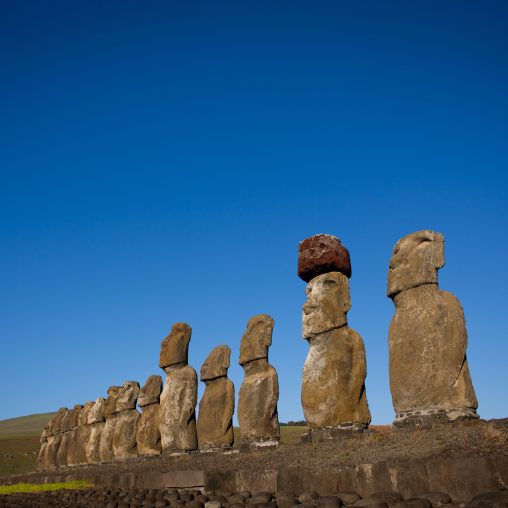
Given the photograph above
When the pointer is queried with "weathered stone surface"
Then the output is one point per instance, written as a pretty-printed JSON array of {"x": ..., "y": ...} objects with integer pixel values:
[
  {"x": 216, "y": 364},
  {"x": 333, "y": 377},
  {"x": 215, "y": 421},
  {"x": 74, "y": 417},
  {"x": 127, "y": 397},
  {"x": 177, "y": 412},
  {"x": 175, "y": 347},
  {"x": 148, "y": 436},
  {"x": 50, "y": 461},
  {"x": 61, "y": 457},
  {"x": 259, "y": 393},
  {"x": 96, "y": 413},
  {"x": 93, "y": 449},
  {"x": 427, "y": 337},
  {"x": 124, "y": 435},
  {"x": 77, "y": 450},
  {"x": 151, "y": 392},
  {"x": 321, "y": 254},
  {"x": 106, "y": 445}
]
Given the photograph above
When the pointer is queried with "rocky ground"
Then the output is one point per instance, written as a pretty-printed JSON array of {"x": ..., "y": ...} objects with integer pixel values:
[
  {"x": 468, "y": 439},
  {"x": 183, "y": 498},
  {"x": 381, "y": 444}
]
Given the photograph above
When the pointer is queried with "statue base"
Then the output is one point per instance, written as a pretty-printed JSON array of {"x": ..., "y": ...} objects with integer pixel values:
[
  {"x": 214, "y": 447},
  {"x": 333, "y": 432},
  {"x": 259, "y": 444},
  {"x": 427, "y": 418}
]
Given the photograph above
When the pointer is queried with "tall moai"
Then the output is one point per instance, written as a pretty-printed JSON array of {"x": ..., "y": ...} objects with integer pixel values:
[
  {"x": 217, "y": 405},
  {"x": 106, "y": 446},
  {"x": 73, "y": 431},
  {"x": 127, "y": 418},
  {"x": 41, "y": 456},
  {"x": 333, "y": 376},
  {"x": 427, "y": 339},
  {"x": 82, "y": 435},
  {"x": 97, "y": 422},
  {"x": 259, "y": 393},
  {"x": 68, "y": 426},
  {"x": 54, "y": 439},
  {"x": 177, "y": 412},
  {"x": 148, "y": 435}
]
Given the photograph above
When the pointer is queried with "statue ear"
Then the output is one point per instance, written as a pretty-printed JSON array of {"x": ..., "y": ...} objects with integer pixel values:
[
  {"x": 438, "y": 254},
  {"x": 344, "y": 288}
]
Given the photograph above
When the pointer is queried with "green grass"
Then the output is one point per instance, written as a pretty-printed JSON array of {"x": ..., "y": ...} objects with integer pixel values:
[
  {"x": 18, "y": 455},
  {"x": 31, "y": 425},
  {"x": 287, "y": 434},
  {"x": 28, "y": 487}
]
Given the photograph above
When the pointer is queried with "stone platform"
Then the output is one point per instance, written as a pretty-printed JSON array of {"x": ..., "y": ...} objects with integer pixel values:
[{"x": 461, "y": 478}]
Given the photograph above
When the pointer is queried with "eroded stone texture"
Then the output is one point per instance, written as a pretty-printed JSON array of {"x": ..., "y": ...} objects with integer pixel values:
[
  {"x": 259, "y": 393},
  {"x": 321, "y": 254},
  {"x": 77, "y": 451},
  {"x": 333, "y": 377},
  {"x": 216, "y": 407},
  {"x": 61, "y": 456},
  {"x": 96, "y": 421},
  {"x": 151, "y": 392},
  {"x": 427, "y": 339},
  {"x": 177, "y": 412},
  {"x": 148, "y": 436},
  {"x": 47, "y": 433},
  {"x": 49, "y": 461},
  {"x": 127, "y": 397},
  {"x": 126, "y": 426},
  {"x": 106, "y": 446}
]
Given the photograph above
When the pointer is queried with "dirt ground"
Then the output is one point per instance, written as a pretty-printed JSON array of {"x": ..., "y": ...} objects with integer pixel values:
[{"x": 381, "y": 444}]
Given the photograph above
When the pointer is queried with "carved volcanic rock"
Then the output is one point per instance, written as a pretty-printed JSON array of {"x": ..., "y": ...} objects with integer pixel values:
[
  {"x": 427, "y": 338},
  {"x": 322, "y": 254}
]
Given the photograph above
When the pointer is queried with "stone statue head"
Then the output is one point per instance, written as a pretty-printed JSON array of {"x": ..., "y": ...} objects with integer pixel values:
[
  {"x": 415, "y": 260},
  {"x": 175, "y": 347},
  {"x": 127, "y": 397},
  {"x": 110, "y": 403},
  {"x": 327, "y": 304},
  {"x": 83, "y": 414},
  {"x": 96, "y": 413},
  {"x": 57, "y": 423},
  {"x": 151, "y": 392},
  {"x": 256, "y": 339},
  {"x": 74, "y": 418},
  {"x": 217, "y": 363}
]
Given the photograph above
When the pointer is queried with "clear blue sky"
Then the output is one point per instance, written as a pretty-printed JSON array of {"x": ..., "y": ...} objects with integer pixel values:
[{"x": 160, "y": 161}]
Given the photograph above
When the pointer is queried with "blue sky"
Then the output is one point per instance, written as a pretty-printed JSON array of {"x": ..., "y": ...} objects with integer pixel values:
[{"x": 161, "y": 161}]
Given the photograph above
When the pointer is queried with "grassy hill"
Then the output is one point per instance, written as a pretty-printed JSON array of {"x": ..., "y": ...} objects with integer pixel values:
[{"x": 30, "y": 425}]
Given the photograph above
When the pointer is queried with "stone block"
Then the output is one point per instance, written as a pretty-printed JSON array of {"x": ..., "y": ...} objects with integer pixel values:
[
  {"x": 257, "y": 481},
  {"x": 184, "y": 479}
]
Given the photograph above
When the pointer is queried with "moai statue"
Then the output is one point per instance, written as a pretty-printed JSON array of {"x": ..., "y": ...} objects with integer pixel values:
[
  {"x": 47, "y": 433},
  {"x": 333, "y": 376},
  {"x": 97, "y": 423},
  {"x": 429, "y": 375},
  {"x": 82, "y": 435},
  {"x": 61, "y": 456},
  {"x": 177, "y": 412},
  {"x": 73, "y": 432},
  {"x": 106, "y": 446},
  {"x": 259, "y": 393},
  {"x": 148, "y": 435},
  {"x": 124, "y": 436},
  {"x": 50, "y": 460},
  {"x": 216, "y": 407}
]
